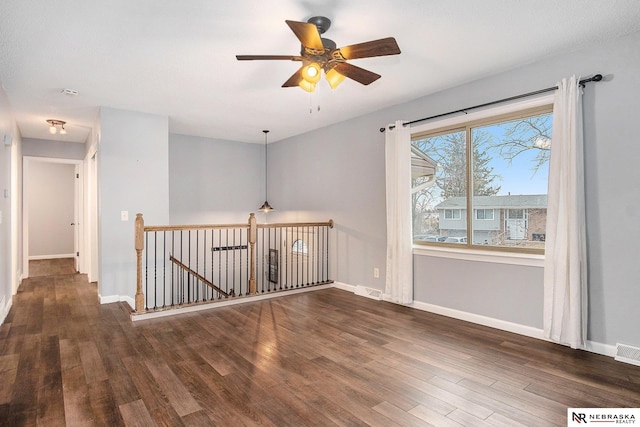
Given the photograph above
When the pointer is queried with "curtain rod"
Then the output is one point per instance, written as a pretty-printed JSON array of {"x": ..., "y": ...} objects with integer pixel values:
[{"x": 595, "y": 78}]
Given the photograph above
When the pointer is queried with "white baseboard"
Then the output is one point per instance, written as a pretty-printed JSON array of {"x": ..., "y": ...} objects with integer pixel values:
[
  {"x": 480, "y": 320},
  {"x": 117, "y": 298},
  {"x": 130, "y": 301},
  {"x": 344, "y": 287},
  {"x": 39, "y": 257},
  {"x": 529, "y": 331},
  {"x": 604, "y": 349},
  {"x": 5, "y": 306}
]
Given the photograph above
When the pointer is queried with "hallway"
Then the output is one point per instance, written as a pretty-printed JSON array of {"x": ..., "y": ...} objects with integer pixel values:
[
  {"x": 51, "y": 267},
  {"x": 48, "y": 344}
]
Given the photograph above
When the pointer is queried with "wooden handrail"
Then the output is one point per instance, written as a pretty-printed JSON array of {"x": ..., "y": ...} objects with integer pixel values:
[
  {"x": 252, "y": 236},
  {"x": 191, "y": 227},
  {"x": 207, "y": 282},
  {"x": 297, "y": 224},
  {"x": 225, "y": 226}
]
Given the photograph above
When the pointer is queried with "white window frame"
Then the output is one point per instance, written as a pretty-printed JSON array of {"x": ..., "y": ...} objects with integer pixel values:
[
  {"x": 453, "y": 214},
  {"x": 502, "y": 257},
  {"x": 485, "y": 210},
  {"x": 525, "y": 214}
]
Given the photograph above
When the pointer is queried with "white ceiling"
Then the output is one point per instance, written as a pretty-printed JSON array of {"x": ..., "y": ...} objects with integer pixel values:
[{"x": 177, "y": 58}]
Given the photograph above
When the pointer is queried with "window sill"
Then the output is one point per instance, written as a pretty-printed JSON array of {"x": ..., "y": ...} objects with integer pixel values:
[{"x": 529, "y": 260}]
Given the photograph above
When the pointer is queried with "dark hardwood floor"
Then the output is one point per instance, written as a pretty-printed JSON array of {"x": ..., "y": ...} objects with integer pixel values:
[
  {"x": 320, "y": 358},
  {"x": 52, "y": 267}
]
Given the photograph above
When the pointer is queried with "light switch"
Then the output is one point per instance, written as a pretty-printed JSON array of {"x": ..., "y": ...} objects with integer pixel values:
[{"x": 124, "y": 215}]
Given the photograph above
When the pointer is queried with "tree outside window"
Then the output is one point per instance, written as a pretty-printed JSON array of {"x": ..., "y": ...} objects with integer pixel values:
[{"x": 505, "y": 164}]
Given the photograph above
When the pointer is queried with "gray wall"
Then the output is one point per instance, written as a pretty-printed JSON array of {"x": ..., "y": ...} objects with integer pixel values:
[
  {"x": 338, "y": 171},
  {"x": 10, "y": 204},
  {"x": 53, "y": 149},
  {"x": 6, "y": 130},
  {"x": 133, "y": 176},
  {"x": 213, "y": 181},
  {"x": 51, "y": 202},
  {"x": 506, "y": 292}
]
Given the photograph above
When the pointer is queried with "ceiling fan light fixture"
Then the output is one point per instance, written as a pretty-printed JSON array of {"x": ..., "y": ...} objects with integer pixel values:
[
  {"x": 318, "y": 53},
  {"x": 334, "y": 78},
  {"x": 311, "y": 73},
  {"x": 309, "y": 87}
]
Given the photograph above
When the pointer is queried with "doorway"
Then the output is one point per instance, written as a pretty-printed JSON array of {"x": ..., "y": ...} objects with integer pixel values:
[{"x": 52, "y": 213}]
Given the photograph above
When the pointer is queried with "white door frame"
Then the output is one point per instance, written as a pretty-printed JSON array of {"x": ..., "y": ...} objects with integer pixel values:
[
  {"x": 78, "y": 209},
  {"x": 91, "y": 265}
]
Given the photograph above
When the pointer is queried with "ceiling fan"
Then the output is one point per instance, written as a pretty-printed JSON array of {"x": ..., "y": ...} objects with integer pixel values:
[{"x": 318, "y": 53}]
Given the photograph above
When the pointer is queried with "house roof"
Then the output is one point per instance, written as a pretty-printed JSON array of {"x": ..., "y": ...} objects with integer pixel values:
[
  {"x": 517, "y": 201},
  {"x": 421, "y": 164}
]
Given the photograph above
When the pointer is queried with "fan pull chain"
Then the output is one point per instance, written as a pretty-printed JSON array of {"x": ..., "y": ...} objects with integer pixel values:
[{"x": 311, "y": 95}]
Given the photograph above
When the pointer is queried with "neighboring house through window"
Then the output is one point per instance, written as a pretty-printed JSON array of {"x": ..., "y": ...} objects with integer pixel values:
[
  {"x": 501, "y": 220},
  {"x": 484, "y": 177}
]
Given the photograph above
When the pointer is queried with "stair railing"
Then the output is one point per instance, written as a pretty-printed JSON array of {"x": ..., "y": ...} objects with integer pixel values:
[{"x": 184, "y": 265}]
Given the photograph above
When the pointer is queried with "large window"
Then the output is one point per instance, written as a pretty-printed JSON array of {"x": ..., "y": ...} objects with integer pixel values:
[{"x": 489, "y": 184}]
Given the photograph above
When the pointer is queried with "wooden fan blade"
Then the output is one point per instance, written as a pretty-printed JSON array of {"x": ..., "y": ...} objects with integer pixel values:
[
  {"x": 381, "y": 47},
  {"x": 294, "y": 79},
  {"x": 356, "y": 73},
  {"x": 307, "y": 34},
  {"x": 269, "y": 57}
]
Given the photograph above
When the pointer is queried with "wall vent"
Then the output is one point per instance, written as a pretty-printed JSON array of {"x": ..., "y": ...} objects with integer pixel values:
[
  {"x": 368, "y": 292},
  {"x": 628, "y": 354}
]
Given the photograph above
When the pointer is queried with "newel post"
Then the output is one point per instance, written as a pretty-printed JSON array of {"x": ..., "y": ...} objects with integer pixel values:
[
  {"x": 139, "y": 249},
  {"x": 253, "y": 235}
]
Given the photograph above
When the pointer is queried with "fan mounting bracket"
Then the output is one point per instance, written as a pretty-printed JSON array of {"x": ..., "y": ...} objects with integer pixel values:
[{"x": 323, "y": 23}]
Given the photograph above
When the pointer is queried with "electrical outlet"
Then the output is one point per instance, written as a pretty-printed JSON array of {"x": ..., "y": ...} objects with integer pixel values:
[
  {"x": 376, "y": 272},
  {"x": 124, "y": 215}
]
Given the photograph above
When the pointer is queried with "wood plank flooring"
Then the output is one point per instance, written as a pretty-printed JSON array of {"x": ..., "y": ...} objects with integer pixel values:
[
  {"x": 51, "y": 267},
  {"x": 321, "y": 358}
]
